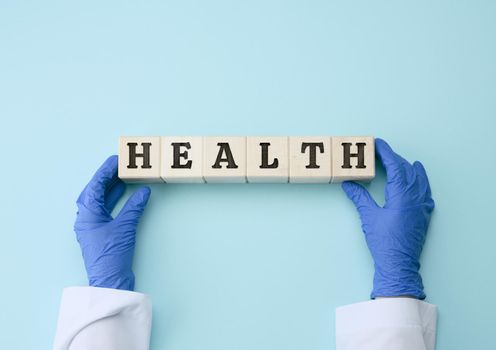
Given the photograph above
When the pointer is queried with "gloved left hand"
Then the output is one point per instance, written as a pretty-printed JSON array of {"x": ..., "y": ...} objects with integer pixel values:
[{"x": 107, "y": 244}]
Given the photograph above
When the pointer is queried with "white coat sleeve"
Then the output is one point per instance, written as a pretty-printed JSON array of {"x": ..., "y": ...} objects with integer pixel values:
[
  {"x": 386, "y": 324},
  {"x": 101, "y": 318}
]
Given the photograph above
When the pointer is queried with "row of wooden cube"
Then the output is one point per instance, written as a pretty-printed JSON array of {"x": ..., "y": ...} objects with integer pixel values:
[{"x": 234, "y": 159}]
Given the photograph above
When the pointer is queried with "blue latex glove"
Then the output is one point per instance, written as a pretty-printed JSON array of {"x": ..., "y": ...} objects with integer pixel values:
[
  {"x": 395, "y": 233},
  {"x": 107, "y": 244}
]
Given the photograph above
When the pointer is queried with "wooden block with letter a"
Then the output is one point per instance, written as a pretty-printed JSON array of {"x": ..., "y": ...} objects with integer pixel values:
[{"x": 224, "y": 159}]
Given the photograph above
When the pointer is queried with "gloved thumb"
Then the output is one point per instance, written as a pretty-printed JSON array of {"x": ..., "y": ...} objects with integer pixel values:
[
  {"x": 133, "y": 209},
  {"x": 358, "y": 195}
]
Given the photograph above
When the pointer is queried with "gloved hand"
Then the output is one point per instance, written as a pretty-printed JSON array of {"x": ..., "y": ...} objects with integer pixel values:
[
  {"x": 107, "y": 244},
  {"x": 395, "y": 233}
]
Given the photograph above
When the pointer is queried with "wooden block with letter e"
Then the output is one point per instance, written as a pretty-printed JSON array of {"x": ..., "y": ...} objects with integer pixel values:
[{"x": 182, "y": 159}]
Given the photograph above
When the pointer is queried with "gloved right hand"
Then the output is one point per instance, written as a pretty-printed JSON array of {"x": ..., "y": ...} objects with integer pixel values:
[
  {"x": 107, "y": 244},
  {"x": 395, "y": 233}
]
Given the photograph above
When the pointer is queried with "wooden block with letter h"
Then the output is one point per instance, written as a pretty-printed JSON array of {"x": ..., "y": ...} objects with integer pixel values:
[
  {"x": 139, "y": 159},
  {"x": 353, "y": 158}
]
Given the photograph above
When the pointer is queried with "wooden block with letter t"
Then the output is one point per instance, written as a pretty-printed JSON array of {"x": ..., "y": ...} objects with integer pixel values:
[
  {"x": 182, "y": 159},
  {"x": 310, "y": 159},
  {"x": 139, "y": 159},
  {"x": 353, "y": 158},
  {"x": 224, "y": 159}
]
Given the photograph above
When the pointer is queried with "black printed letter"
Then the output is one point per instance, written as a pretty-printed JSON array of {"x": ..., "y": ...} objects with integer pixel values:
[
  {"x": 224, "y": 147},
  {"x": 178, "y": 155},
  {"x": 347, "y": 155},
  {"x": 133, "y": 155},
  {"x": 265, "y": 157},
  {"x": 313, "y": 153}
]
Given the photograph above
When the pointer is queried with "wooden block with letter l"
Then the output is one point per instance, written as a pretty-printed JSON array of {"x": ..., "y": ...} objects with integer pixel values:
[
  {"x": 353, "y": 158},
  {"x": 267, "y": 159},
  {"x": 310, "y": 159},
  {"x": 224, "y": 159},
  {"x": 139, "y": 159},
  {"x": 182, "y": 159}
]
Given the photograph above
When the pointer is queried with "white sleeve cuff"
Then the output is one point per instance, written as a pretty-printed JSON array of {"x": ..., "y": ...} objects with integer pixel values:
[
  {"x": 389, "y": 323},
  {"x": 103, "y": 318}
]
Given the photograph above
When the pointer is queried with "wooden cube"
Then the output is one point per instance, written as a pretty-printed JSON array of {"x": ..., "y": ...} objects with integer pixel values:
[
  {"x": 267, "y": 159},
  {"x": 353, "y": 158},
  {"x": 182, "y": 159},
  {"x": 224, "y": 159},
  {"x": 139, "y": 159},
  {"x": 310, "y": 159}
]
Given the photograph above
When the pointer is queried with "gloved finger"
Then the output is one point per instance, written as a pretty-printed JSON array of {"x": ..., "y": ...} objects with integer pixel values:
[
  {"x": 114, "y": 193},
  {"x": 93, "y": 195},
  {"x": 133, "y": 209},
  {"x": 392, "y": 162},
  {"x": 358, "y": 195},
  {"x": 424, "y": 182},
  {"x": 419, "y": 168},
  {"x": 400, "y": 174}
]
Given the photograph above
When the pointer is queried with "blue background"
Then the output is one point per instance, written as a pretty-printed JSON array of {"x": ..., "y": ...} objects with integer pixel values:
[{"x": 246, "y": 266}]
